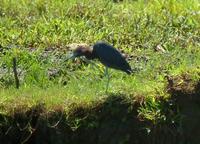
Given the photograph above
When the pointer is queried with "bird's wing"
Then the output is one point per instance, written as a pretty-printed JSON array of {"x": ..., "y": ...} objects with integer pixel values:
[{"x": 110, "y": 56}]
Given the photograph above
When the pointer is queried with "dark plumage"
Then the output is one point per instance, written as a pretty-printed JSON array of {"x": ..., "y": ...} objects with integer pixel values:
[{"x": 106, "y": 54}]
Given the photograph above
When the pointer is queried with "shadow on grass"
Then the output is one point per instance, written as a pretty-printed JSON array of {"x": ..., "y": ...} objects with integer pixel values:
[
  {"x": 112, "y": 121},
  {"x": 187, "y": 100}
]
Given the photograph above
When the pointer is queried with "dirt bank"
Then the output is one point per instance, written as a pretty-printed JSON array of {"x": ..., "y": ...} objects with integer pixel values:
[{"x": 115, "y": 120}]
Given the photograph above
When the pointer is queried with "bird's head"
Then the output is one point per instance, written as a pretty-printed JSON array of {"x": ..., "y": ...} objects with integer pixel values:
[{"x": 79, "y": 50}]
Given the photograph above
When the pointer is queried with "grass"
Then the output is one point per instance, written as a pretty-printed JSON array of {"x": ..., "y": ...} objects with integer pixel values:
[
  {"x": 136, "y": 28},
  {"x": 38, "y": 32}
]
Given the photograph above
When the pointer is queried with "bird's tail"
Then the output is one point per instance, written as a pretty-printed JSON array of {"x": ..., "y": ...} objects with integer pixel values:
[
  {"x": 132, "y": 70},
  {"x": 129, "y": 71}
]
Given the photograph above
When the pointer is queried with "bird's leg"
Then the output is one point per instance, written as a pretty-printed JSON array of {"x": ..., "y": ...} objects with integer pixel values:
[
  {"x": 92, "y": 63},
  {"x": 108, "y": 78}
]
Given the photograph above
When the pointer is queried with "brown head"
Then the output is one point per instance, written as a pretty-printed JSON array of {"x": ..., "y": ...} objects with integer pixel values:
[{"x": 81, "y": 50}]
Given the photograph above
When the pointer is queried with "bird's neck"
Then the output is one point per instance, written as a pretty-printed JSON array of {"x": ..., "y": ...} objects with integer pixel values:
[{"x": 89, "y": 54}]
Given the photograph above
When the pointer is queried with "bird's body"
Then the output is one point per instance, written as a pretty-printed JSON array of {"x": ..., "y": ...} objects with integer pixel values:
[
  {"x": 110, "y": 57},
  {"x": 106, "y": 54}
]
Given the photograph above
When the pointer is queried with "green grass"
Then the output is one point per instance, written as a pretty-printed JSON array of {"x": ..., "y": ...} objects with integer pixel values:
[{"x": 135, "y": 27}]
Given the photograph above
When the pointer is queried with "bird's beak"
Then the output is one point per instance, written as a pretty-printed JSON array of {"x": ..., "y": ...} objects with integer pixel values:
[{"x": 71, "y": 56}]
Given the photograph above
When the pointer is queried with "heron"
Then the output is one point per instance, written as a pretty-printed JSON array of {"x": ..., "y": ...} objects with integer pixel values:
[{"x": 109, "y": 56}]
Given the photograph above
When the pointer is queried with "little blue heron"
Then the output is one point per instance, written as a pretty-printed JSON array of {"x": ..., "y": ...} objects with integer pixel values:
[{"x": 106, "y": 54}]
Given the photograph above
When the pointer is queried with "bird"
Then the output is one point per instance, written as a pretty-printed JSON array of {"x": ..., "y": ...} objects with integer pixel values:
[{"x": 109, "y": 56}]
